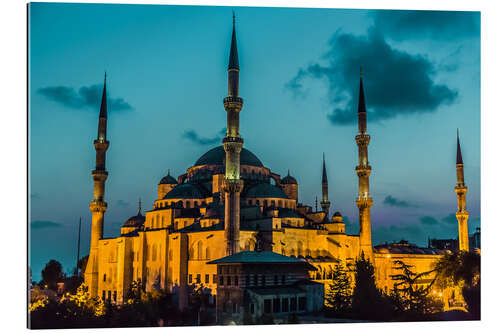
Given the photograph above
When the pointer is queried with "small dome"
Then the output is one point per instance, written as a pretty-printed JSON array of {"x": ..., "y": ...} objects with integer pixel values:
[
  {"x": 217, "y": 156},
  {"x": 186, "y": 191},
  {"x": 265, "y": 190},
  {"x": 337, "y": 214},
  {"x": 288, "y": 179},
  {"x": 135, "y": 221},
  {"x": 168, "y": 179}
]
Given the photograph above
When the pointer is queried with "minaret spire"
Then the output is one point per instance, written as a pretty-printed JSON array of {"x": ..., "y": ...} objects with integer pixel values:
[
  {"x": 139, "y": 211},
  {"x": 363, "y": 170},
  {"x": 103, "y": 115},
  {"x": 325, "y": 204},
  {"x": 462, "y": 214},
  {"x": 459, "y": 151},
  {"x": 98, "y": 206},
  {"x": 233, "y": 144}
]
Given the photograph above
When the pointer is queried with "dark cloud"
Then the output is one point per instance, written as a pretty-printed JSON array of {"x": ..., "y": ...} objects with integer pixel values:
[
  {"x": 395, "y": 82},
  {"x": 428, "y": 220},
  {"x": 436, "y": 25},
  {"x": 44, "y": 224},
  {"x": 85, "y": 98},
  {"x": 395, "y": 233},
  {"x": 450, "y": 219},
  {"x": 395, "y": 202},
  {"x": 194, "y": 137}
]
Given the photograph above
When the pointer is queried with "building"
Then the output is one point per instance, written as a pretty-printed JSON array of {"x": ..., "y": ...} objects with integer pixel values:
[
  {"x": 225, "y": 203},
  {"x": 258, "y": 283}
]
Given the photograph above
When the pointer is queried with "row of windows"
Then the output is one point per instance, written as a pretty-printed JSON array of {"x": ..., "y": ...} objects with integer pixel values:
[
  {"x": 198, "y": 278},
  {"x": 252, "y": 280},
  {"x": 284, "y": 305},
  {"x": 109, "y": 296},
  {"x": 272, "y": 203}
]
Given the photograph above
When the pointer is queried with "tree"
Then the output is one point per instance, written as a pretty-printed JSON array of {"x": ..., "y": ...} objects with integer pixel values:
[
  {"x": 52, "y": 274},
  {"x": 462, "y": 269},
  {"x": 339, "y": 296},
  {"x": 411, "y": 298},
  {"x": 368, "y": 302},
  {"x": 458, "y": 267}
]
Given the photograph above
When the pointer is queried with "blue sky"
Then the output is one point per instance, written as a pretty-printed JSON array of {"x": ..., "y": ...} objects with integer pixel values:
[{"x": 299, "y": 79}]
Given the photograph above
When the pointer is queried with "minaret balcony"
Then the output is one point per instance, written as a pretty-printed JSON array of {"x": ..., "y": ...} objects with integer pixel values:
[
  {"x": 232, "y": 102},
  {"x": 362, "y": 139},
  {"x": 98, "y": 206}
]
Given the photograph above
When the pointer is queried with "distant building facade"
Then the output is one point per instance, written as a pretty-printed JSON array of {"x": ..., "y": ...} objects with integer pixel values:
[
  {"x": 227, "y": 202},
  {"x": 257, "y": 283}
]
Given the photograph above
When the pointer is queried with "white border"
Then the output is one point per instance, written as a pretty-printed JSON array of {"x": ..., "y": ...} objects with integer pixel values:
[{"x": 13, "y": 135}]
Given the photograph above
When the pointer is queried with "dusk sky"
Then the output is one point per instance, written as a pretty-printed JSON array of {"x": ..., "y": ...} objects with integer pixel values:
[{"x": 299, "y": 79}]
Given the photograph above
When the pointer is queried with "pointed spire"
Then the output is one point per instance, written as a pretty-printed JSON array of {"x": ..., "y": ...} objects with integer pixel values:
[
  {"x": 104, "y": 108},
  {"x": 459, "y": 151},
  {"x": 361, "y": 101},
  {"x": 233, "y": 55},
  {"x": 140, "y": 204},
  {"x": 288, "y": 172},
  {"x": 316, "y": 204},
  {"x": 168, "y": 172},
  {"x": 324, "y": 179}
]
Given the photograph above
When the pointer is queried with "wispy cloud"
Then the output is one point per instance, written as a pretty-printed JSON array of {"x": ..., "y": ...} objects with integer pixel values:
[
  {"x": 395, "y": 202},
  {"x": 194, "y": 137},
  {"x": 44, "y": 224},
  {"x": 87, "y": 97},
  {"x": 122, "y": 203}
]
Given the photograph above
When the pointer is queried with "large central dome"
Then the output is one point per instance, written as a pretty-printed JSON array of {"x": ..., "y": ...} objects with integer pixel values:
[{"x": 217, "y": 156}]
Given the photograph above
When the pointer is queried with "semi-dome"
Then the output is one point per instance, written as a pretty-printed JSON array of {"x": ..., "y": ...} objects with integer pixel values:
[
  {"x": 168, "y": 179},
  {"x": 337, "y": 214},
  {"x": 186, "y": 191},
  {"x": 217, "y": 156},
  {"x": 265, "y": 190},
  {"x": 135, "y": 221},
  {"x": 288, "y": 179}
]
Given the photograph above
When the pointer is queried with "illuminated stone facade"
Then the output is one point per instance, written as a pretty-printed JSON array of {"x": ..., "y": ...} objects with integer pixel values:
[{"x": 219, "y": 207}]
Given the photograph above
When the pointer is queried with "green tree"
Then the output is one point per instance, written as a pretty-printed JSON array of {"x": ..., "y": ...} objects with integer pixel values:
[
  {"x": 52, "y": 274},
  {"x": 415, "y": 300},
  {"x": 462, "y": 269},
  {"x": 339, "y": 295},
  {"x": 368, "y": 302}
]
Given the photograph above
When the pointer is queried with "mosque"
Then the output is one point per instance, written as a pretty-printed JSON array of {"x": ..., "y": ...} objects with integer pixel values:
[{"x": 229, "y": 202}]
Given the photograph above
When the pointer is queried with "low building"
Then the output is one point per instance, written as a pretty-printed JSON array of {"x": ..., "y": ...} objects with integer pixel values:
[{"x": 255, "y": 283}]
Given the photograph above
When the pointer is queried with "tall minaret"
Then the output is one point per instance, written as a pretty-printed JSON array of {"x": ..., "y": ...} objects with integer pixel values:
[
  {"x": 363, "y": 201},
  {"x": 325, "y": 204},
  {"x": 233, "y": 144},
  {"x": 98, "y": 206},
  {"x": 462, "y": 214}
]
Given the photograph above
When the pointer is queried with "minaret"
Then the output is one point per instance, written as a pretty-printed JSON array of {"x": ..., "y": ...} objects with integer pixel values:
[
  {"x": 98, "y": 206},
  {"x": 325, "y": 204},
  {"x": 363, "y": 201},
  {"x": 462, "y": 214},
  {"x": 233, "y": 144}
]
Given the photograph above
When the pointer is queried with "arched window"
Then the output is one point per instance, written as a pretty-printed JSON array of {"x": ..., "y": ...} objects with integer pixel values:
[
  {"x": 162, "y": 222},
  {"x": 207, "y": 254},
  {"x": 199, "y": 251},
  {"x": 299, "y": 249},
  {"x": 188, "y": 205},
  {"x": 258, "y": 203},
  {"x": 154, "y": 252}
]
